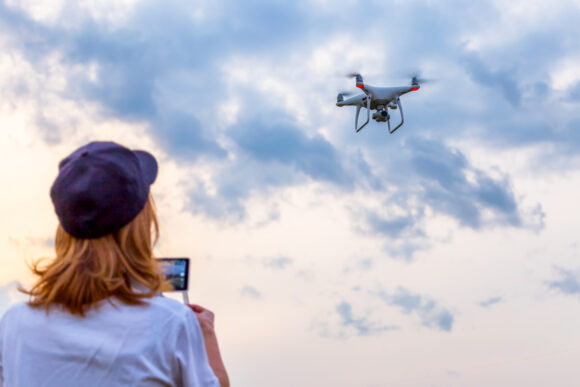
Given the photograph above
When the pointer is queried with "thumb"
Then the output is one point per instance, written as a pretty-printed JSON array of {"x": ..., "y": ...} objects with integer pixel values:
[{"x": 196, "y": 308}]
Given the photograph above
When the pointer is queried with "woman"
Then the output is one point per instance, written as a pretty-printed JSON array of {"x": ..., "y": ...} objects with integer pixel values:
[{"x": 95, "y": 315}]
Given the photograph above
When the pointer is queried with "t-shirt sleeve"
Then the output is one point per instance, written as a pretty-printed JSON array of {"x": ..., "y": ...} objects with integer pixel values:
[{"x": 192, "y": 362}]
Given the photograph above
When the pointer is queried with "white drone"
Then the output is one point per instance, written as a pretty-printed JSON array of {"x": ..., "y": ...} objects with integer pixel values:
[{"x": 377, "y": 98}]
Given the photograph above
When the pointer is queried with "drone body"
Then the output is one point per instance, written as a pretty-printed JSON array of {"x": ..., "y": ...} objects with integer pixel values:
[{"x": 379, "y": 99}]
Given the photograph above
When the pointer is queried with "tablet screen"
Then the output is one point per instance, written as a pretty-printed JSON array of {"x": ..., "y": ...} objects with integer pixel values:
[{"x": 176, "y": 271}]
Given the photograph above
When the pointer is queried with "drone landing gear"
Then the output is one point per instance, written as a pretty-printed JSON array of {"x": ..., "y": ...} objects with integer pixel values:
[
  {"x": 402, "y": 118},
  {"x": 382, "y": 115},
  {"x": 356, "y": 127}
]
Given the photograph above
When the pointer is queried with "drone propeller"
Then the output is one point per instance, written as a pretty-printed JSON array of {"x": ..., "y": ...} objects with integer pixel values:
[
  {"x": 417, "y": 80},
  {"x": 342, "y": 94},
  {"x": 358, "y": 78}
]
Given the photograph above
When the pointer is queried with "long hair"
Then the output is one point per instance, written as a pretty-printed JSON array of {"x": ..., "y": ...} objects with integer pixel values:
[{"x": 86, "y": 271}]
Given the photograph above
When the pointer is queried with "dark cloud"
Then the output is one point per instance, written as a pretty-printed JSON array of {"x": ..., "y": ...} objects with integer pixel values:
[
  {"x": 434, "y": 178},
  {"x": 392, "y": 227},
  {"x": 234, "y": 182},
  {"x": 130, "y": 68},
  {"x": 286, "y": 144},
  {"x": 567, "y": 283},
  {"x": 431, "y": 314},
  {"x": 503, "y": 80},
  {"x": 271, "y": 154},
  {"x": 184, "y": 139},
  {"x": 165, "y": 68},
  {"x": 574, "y": 92},
  {"x": 447, "y": 188},
  {"x": 404, "y": 233}
]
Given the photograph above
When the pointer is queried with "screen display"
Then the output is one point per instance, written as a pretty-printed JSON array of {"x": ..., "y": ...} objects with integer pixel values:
[{"x": 176, "y": 271}]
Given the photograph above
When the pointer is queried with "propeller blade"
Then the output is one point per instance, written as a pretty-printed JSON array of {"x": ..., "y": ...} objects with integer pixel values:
[
  {"x": 357, "y": 76},
  {"x": 417, "y": 79},
  {"x": 425, "y": 80}
]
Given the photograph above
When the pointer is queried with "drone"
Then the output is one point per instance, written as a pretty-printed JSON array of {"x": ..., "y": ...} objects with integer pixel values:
[{"x": 377, "y": 98}]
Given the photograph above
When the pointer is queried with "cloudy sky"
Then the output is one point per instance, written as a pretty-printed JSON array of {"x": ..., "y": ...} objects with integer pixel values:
[{"x": 446, "y": 254}]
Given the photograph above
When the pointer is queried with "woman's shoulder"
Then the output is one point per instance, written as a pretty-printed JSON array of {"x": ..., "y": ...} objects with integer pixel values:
[
  {"x": 168, "y": 306},
  {"x": 169, "y": 315},
  {"x": 14, "y": 313},
  {"x": 15, "y": 309}
]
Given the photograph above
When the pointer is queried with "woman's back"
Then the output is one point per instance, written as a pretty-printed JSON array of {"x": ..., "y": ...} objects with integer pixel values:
[{"x": 154, "y": 344}]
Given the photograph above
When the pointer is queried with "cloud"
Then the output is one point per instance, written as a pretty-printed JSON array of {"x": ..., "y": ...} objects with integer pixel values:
[
  {"x": 503, "y": 80},
  {"x": 268, "y": 156},
  {"x": 286, "y": 144},
  {"x": 279, "y": 263},
  {"x": 250, "y": 292},
  {"x": 365, "y": 263},
  {"x": 406, "y": 249},
  {"x": 361, "y": 325},
  {"x": 452, "y": 186},
  {"x": 360, "y": 266},
  {"x": 169, "y": 67},
  {"x": 490, "y": 301},
  {"x": 567, "y": 283},
  {"x": 342, "y": 323},
  {"x": 130, "y": 71},
  {"x": 433, "y": 179},
  {"x": 345, "y": 322},
  {"x": 232, "y": 183},
  {"x": 184, "y": 138},
  {"x": 574, "y": 92},
  {"x": 431, "y": 314},
  {"x": 394, "y": 226}
]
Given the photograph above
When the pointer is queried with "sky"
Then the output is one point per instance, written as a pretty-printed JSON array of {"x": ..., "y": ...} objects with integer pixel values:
[{"x": 445, "y": 254}]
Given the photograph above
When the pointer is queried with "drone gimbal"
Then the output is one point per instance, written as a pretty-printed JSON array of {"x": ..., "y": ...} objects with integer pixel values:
[{"x": 381, "y": 115}]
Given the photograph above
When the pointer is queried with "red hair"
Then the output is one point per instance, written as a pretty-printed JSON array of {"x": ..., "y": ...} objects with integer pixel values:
[{"x": 86, "y": 271}]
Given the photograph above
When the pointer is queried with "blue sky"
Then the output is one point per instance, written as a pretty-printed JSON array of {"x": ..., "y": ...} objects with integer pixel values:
[{"x": 445, "y": 234}]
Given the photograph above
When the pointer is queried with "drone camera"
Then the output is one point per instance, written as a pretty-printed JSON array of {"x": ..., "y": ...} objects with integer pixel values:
[{"x": 381, "y": 116}]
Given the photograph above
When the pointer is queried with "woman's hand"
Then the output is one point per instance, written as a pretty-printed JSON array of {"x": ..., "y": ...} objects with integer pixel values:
[{"x": 206, "y": 320}]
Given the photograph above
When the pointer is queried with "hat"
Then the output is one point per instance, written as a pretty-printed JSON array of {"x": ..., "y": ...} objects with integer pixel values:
[{"x": 101, "y": 187}]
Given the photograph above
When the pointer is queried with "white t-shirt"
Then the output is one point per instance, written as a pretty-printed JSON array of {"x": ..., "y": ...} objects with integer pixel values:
[{"x": 156, "y": 344}]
